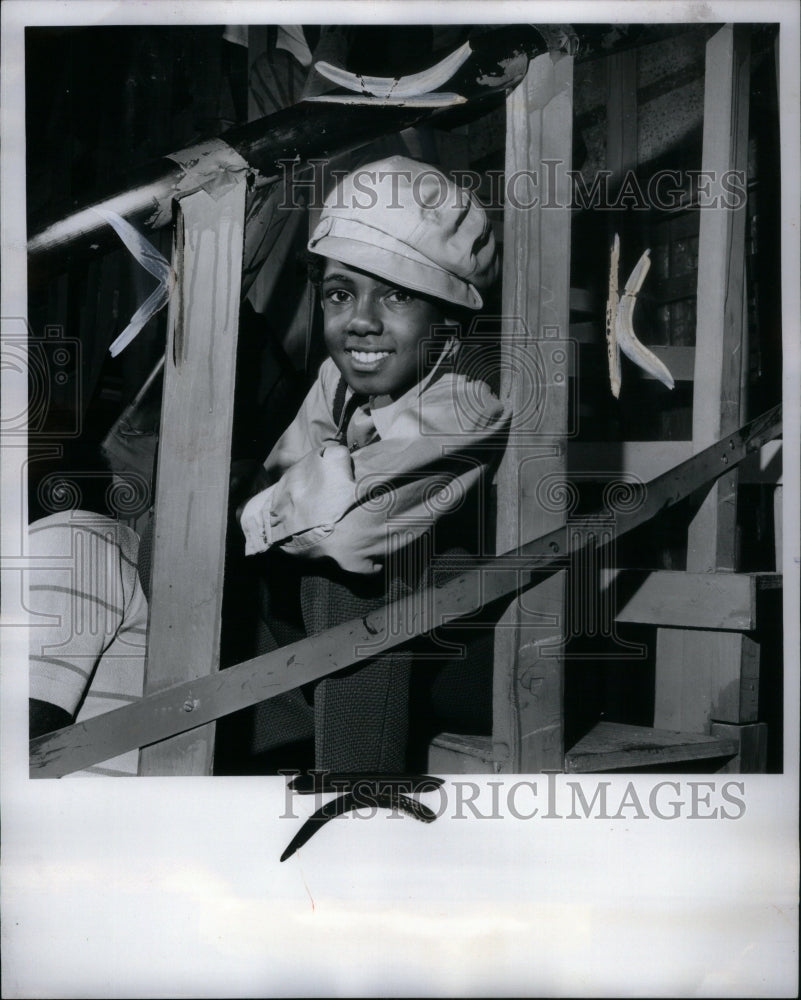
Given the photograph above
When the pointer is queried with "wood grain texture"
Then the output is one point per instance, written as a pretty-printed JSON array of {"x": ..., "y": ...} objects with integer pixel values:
[
  {"x": 778, "y": 523},
  {"x": 704, "y": 677},
  {"x": 689, "y": 600},
  {"x": 482, "y": 583},
  {"x": 613, "y": 746},
  {"x": 752, "y": 747},
  {"x": 451, "y": 753},
  {"x": 194, "y": 464},
  {"x": 528, "y": 685},
  {"x": 720, "y": 335}
]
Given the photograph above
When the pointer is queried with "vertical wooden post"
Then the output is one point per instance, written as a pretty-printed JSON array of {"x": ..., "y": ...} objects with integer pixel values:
[
  {"x": 194, "y": 464},
  {"x": 698, "y": 672},
  {"x": 716, "y": 680},
  {"x": 528, "y": 684},
  {"x": 778, "y": 522},
  {"x": 720, "y": 333}
]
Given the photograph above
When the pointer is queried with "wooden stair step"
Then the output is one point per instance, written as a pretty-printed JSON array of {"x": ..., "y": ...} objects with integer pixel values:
[
  {"x": 612, "y": 745},
  {"x": 452, "y": 753}
]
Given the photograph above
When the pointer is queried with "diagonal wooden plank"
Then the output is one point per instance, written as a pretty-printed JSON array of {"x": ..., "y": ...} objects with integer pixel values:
[{"x": 194, "y": 703}]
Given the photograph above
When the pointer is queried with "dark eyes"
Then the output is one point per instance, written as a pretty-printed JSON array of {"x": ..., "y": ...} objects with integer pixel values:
[{"x": 395, "y": 296}]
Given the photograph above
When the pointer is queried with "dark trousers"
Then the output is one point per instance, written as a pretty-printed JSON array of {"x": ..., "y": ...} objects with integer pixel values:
[{"x": 357, "y": 717}]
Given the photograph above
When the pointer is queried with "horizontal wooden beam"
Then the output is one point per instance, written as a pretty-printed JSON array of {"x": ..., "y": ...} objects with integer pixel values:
[
  {"x": 589, "y": 332},
  {"x": 583, "y": 300},
  {"x": 612, "y": 746},
  {"x": 685, "y": 600}
]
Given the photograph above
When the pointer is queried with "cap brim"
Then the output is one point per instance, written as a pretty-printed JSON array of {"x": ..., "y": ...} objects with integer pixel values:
[{"x": 395, "y": 262}]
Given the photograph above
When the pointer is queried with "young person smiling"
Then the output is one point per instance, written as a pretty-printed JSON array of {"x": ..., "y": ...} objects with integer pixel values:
[
  {"x": 386, "y": 464},
  {"x": 382, "y": 470}
]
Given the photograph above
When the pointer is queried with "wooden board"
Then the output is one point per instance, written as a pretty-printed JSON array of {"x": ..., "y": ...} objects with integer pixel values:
[
  {"x": 164, "y": 714},
  {"x": 720, "y": 335},
  {"x": 451, "y": 753},
  {"x": 752, "y": 747},
  {"x": 704, "y": 677},
  {"x": 528, "y": 677},
  {"x": 778, "y": 523},
  {"x": 194, "y": 465},
  {"x": 689, "y": 600},
  {"x": 613, "y": 746}
]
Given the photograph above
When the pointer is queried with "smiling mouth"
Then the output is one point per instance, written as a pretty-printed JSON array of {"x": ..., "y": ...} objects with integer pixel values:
[{"x": 368, "y": 357}]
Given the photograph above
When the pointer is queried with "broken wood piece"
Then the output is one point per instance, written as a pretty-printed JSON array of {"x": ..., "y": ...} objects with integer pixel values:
[
  {"x": 414, "y": 85},
  {"x": 620, "y": 335},
  {"x": 194, "y": 465}
]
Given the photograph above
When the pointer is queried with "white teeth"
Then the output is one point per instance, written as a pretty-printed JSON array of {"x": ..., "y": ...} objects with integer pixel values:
[{"x": 367, "y": 357}]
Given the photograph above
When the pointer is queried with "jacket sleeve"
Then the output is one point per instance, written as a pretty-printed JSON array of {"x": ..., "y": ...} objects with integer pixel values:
[{"x": 357, "y": 509}]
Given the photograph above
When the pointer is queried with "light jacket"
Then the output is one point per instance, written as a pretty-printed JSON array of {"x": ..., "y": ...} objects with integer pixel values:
[{"x": 403, "y": 465}]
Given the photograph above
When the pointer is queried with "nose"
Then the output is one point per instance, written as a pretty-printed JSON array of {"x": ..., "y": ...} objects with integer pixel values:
[{"x": 365, "y": 318}]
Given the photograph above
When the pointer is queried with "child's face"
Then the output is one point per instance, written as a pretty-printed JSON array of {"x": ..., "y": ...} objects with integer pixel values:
[{"x": 373, "y": 330}]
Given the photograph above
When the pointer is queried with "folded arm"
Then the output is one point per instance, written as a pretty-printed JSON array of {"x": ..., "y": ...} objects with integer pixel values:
[{"x": 358, "y": 508}]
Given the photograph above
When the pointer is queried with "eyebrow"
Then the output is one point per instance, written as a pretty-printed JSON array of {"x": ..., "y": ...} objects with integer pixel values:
[{"x": 338, "y": 277}]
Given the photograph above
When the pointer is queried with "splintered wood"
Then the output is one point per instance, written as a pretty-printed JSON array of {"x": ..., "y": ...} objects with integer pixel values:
[
  {"x": 612, "y": 350},
  {"x": 194, "y": 462}
]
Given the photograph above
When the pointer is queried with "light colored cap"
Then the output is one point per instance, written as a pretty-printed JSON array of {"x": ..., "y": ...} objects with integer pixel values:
[{"x": 408, "y": 223}]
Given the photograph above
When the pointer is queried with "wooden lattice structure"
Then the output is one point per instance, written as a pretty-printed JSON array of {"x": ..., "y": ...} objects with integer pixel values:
[{"x": 704, "y": 615}]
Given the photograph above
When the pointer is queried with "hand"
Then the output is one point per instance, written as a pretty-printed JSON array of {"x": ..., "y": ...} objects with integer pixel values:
[{"x": 255, "y": 521}]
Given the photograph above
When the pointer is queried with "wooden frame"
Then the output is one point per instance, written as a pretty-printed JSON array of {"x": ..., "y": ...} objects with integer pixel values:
[
  {"x": 194, "y": 464},
  {"x": 528, "y": 695},
  {"x": 528, "y": 676}
]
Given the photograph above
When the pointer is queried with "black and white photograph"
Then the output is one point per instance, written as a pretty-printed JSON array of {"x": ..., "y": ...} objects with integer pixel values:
[{"x": 400, "y": 465}]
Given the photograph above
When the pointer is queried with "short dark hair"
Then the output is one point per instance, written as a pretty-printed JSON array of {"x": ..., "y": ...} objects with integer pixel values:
[{"x": 315, "y": 268}]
